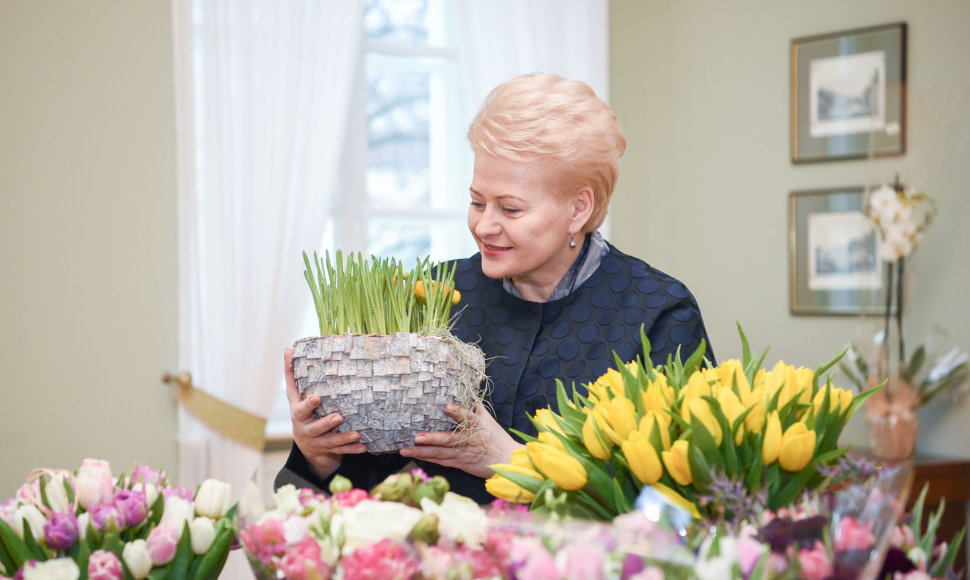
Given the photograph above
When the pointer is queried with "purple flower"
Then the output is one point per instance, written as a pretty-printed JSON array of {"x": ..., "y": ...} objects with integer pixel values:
[
  {"x": 132, "y": 507},
  {"x": 146, "y": 475},
  {"x": 104, "y": 513},
  {"x": 61, "y": 531}
]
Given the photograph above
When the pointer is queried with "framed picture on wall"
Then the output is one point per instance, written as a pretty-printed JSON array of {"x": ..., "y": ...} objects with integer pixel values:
[
  {"x": 848, "y": 94},
  {"x": 834, "y": 265}
]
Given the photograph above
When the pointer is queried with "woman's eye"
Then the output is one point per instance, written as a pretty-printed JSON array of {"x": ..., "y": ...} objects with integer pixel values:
[
  {"x": 477, "y": 204},
  {"x": 511, "y": 210}
]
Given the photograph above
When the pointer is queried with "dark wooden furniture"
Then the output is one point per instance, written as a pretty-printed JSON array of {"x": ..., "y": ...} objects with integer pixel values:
[{"x": 948, "y": 479}]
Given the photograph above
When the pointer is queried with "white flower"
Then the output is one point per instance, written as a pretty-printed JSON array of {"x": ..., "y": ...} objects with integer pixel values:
[
  {"x": 883, "y": 202},
  {"x": 202, "y": 532},
  {"x": 213, "y": 499},
  {"x": 136, "y": 557},
  {"x": 56, "y": 494},
  {"x": 177, "y": 511},
  {"x": 150, "y": 491},
  {"x": 371, "y": 521},
  {"x": 294, "y": 529},
  {"x": 251, "y": 506},
  {"x": 917, "y": 556},
  {"x": 459, "y": 518},
  {"x": 83, "y": 521},
  {"x": 35, "y": 520},
  {"x": 57, "y": 569},
  {"x": 720, "y": 566},
  {"x": 94, "y": 484},
  {"x": 287, "y": 499}
]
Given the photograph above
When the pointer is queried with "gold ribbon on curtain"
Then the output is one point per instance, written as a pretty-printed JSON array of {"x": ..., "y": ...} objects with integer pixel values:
[{"x": 226, "y": 419}]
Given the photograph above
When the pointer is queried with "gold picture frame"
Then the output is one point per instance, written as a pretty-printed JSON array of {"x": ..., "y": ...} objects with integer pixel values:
[{"x": 848, "y": 94}]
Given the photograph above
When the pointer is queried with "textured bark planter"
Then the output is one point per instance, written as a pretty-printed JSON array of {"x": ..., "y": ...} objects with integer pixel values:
[{"x": 388, "y": 387}]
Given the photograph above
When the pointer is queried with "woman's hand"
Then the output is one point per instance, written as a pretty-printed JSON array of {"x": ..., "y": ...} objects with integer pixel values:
[
  {"x": 482, "y": 442},
  {"x": 321, "y": 446}
]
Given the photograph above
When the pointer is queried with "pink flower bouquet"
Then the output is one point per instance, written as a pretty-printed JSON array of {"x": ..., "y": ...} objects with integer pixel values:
[
  {"x": 397, "y": 532},
  {"x": 91, "y": 525}
]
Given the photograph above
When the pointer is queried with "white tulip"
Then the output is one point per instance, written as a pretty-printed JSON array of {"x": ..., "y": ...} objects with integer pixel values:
[
  {"x": 35, "y": 520},
  {"x": 56, "y": 494},
  {"x": 371, "y": 521},
  {"x": 177, "y": 512},
  {"x": 150, "y": 491},
  {"x": 459, "y": 518},
  {"x": 57, "y": 569},
  {"x": 213, "y": 499},
  {"x": 136, "y": 557},
  {"x": 203, "y": 532},
  {"x": 83, "y": 521}
]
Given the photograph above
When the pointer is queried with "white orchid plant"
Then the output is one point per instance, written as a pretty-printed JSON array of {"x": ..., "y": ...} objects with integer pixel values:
[{"x": 901, "y": 216}]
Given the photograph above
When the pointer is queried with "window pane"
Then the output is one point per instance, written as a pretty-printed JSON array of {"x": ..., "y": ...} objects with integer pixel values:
[
  {"x": 404, "y": 21},
  {"x": 409, "y": 238},
  {"x": 397, "y": 131}
]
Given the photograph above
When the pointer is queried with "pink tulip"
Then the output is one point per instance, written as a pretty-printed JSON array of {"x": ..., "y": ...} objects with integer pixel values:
[
  {"x": 104, "y": 565},
  {"x": 583, "y": 561},
  {"x": 162, "y": 542},
  {"x": 385, "y": 560},
  {"x": 94, "y": 484},
  {"x": 853, "y": 535},
  {"x": 302, "y": 561},
  {"x": 815, "y": 563},
  {"x": 264, "y": 539}
]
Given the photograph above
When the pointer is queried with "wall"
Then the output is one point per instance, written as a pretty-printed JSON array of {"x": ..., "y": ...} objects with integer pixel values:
[
  {"x": 87, "y": 235},
  {"x": 702, "y": 92}
]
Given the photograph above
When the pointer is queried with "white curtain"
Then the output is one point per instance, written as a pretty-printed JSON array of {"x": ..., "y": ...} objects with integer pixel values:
[
  {"x": 504, "y": 38},
  {"x": 262, "y": 92}
]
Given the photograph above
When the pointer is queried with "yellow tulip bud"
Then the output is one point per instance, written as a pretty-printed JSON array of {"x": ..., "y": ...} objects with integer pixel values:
[
  {"x": 642, "y": 458},
  {"x": 803, "y": 383},
  {"x": 547, "y": 419},
  {"x": 697, "y": 386},
  {"x": 647, "y": 422},
  {"x": 598, "y": 444},
  {"x": 504, "y": 488},
  {"x": 771, "y": 444},
  {"x": 797, "y": 447},
  {"x": 839, "y": 399},
  {"x": 612, "y": 380},
  {"x": 675, "y": 460},
  {"x": 701, "y": 409},
  {"x": 557, "y": 465}
]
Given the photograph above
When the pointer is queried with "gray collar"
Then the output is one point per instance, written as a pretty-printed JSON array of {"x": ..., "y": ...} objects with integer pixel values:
[{"x": 594, "y": 248}]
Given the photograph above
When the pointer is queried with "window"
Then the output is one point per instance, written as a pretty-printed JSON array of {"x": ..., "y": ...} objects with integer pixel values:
[{"x": 407, "y": 163}]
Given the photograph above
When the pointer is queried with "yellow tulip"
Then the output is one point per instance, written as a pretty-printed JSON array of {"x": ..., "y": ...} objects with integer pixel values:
[
  {"x": 839, "y": 399},
  {"x": 622, "y": 415},
  {"x": 598, "y": 444},
  {"x": 657, "y": 395},
  {"x": 755, "y": 420},
  {"x": 732, "y": 408},
  {"x": 547, "y": 419},
  {"x": 504, "y": 488},
  {"x": 612, "y": 380},
  {"x": 557, "y": 465},
  {"x": 797, "y": 447},
  {"x": 731, "y": 371},
  {"x": 675, "y": 460},
  {"x": 642, "y": 458},
  {"x": 701, "y": 409},
  {"x": 803, "y": 381},
  {"x": 771, "y": 445},
  {"x": 647, "y": 422},
  {"x": 551, "y": 439},
  {"x": 697, "y": 386}
]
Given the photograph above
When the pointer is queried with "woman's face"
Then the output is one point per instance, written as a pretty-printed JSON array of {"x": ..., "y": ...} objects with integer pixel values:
[{"x": 521, "y": 221}]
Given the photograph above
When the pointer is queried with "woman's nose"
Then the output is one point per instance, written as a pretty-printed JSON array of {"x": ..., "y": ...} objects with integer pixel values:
[{"x": 487, "y": 224}]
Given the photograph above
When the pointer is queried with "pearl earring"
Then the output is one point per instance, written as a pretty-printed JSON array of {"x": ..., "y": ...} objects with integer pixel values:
[{"x": 572, "y": 241}]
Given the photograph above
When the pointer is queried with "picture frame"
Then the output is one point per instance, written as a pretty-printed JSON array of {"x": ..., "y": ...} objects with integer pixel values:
[
  {"x": 834, "y": 266},
  {"x": 848, "y": 94}
]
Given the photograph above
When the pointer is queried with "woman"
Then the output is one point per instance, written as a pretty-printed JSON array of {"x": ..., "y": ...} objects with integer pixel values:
[{"x": 545, "y": 298}]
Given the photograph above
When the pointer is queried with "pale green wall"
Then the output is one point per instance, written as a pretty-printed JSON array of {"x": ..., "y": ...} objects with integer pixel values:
[
  {"x": 702, "y": 92},
  {"x": 87, "y": 235}
]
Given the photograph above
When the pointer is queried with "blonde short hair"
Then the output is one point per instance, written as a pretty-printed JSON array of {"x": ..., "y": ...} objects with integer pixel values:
[{"x": 549, "y": 118}]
